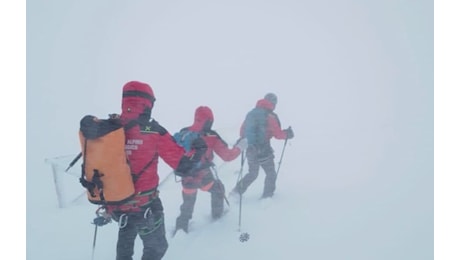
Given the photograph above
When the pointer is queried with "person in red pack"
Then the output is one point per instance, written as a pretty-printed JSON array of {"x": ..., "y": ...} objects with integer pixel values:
[
  {"x": 203, "y": 178},
  {"x": 259, "y": 127},
  {"x": 146, "y": 141}
]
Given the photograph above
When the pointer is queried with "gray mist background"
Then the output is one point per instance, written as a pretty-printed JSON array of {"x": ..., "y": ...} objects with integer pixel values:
[{"x": 354, "y": 79}]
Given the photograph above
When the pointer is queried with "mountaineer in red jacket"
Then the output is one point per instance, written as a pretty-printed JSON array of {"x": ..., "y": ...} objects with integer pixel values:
[
  {"x": 203, "y": 178},
  {"x": 260, "y": 126},
  {"x": 146, "y": 141}
]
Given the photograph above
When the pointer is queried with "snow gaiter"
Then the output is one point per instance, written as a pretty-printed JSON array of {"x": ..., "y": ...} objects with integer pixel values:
[
  {"x": 217, "y": 199},
  {"x": 186, "y": 211}
]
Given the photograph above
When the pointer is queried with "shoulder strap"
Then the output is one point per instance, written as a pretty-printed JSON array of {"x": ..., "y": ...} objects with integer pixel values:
[
  {"x": 95, "y": 182},
  {"x": 135, "y": 177}
]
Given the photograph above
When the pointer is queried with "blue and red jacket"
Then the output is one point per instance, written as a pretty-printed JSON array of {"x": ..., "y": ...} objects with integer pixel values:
[{"x": 273, "y": 127}]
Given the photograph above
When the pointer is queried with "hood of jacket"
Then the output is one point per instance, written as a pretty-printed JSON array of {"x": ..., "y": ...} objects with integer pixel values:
[
  {"x": 203, "y": 119},
  {"x": 263, "y": 103},
  {"x": 137, "y": 101}
]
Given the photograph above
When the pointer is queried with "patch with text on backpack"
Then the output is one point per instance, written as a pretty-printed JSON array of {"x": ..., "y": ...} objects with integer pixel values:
[
  {"x": 105, "y": 170},
  {"x": 255, "y": 126}
]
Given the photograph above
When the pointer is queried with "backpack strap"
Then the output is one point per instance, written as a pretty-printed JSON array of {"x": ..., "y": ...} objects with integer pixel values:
[
  {"x": 135, "y": 177},
  {"x": 96, "y": 180}
]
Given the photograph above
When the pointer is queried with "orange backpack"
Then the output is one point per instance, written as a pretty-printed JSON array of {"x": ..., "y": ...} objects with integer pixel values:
[{"x": 105, "y": 170}]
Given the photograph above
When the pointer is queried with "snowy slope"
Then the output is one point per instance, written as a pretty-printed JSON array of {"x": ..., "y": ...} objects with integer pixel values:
[{"x": 354, "y": 79}]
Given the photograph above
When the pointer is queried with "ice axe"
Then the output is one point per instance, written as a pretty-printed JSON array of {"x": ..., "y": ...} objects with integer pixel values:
[{"x": 72, "y": 163}]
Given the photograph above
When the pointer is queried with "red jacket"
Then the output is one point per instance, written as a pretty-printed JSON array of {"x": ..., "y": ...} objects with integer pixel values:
[
  {"x": 273, "y": 123},
  {"x": 217, "y": 145},
  {"x": 144, "y": 144},
  {"x": 146, "y": 140},
  {"x": 202, "y": 123}
]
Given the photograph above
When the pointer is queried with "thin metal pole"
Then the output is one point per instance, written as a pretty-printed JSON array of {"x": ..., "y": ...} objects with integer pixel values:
[
  {"x": 94, "y": 242},
  {"x": 240, "y": 178},
  {"x": 73, "y": 161},
  {"x": 282, "y": 154}
]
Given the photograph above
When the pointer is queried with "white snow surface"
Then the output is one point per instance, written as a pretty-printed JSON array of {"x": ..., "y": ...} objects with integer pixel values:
[{"x": 354, "y": 79}]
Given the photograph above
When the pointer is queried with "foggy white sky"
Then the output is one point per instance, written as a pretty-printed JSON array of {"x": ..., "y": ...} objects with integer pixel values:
[{"x": 355, "y": 81}]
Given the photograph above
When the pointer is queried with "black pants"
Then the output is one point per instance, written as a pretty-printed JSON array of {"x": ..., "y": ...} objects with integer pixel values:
[
  {"x": 259, "y": 157},
  {"x": 150, "y": 227},
  {"x": 206, "y": 182}
]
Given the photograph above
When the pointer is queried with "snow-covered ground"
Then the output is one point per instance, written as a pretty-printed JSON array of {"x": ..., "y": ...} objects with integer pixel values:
[{"x": 354, "y": 79}]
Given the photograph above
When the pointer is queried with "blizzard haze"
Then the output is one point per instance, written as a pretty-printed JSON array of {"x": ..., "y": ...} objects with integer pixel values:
[{"x": 353, "y": 78}]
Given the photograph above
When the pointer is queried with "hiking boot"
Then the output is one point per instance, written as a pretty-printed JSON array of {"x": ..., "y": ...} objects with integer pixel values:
[
  {"x": 217, "y": 199},
  {"x": 268, "y": 195},
  {"x": 182, "y": 223}
]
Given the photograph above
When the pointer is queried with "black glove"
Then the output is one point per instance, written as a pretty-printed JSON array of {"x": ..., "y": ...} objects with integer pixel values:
[
  {"x": 289, "y": 133},
  {"x": 101, "y": 221},
  {"x": 200, "y": 147},
  {"x": 184, "y": 168},
  {"x": 188, "y": 166}
]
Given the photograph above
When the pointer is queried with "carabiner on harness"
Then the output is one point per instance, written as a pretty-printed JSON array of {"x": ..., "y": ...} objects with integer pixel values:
[
  {"x": 148, "y": 213},
  {"x": 123, "y": 221}
]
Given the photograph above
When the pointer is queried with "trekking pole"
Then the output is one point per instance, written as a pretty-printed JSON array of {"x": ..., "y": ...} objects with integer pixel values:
[
  {"x": 240, "y": 178},
  {"x": 166, "y": 178},
  {"x": 100, "y": 220},
  {"x": 243, "y": 236},
  {"x": 94, "y": 242},
  {"x": 281, "y": 158},
  {"x": 73, "y": 161}
]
